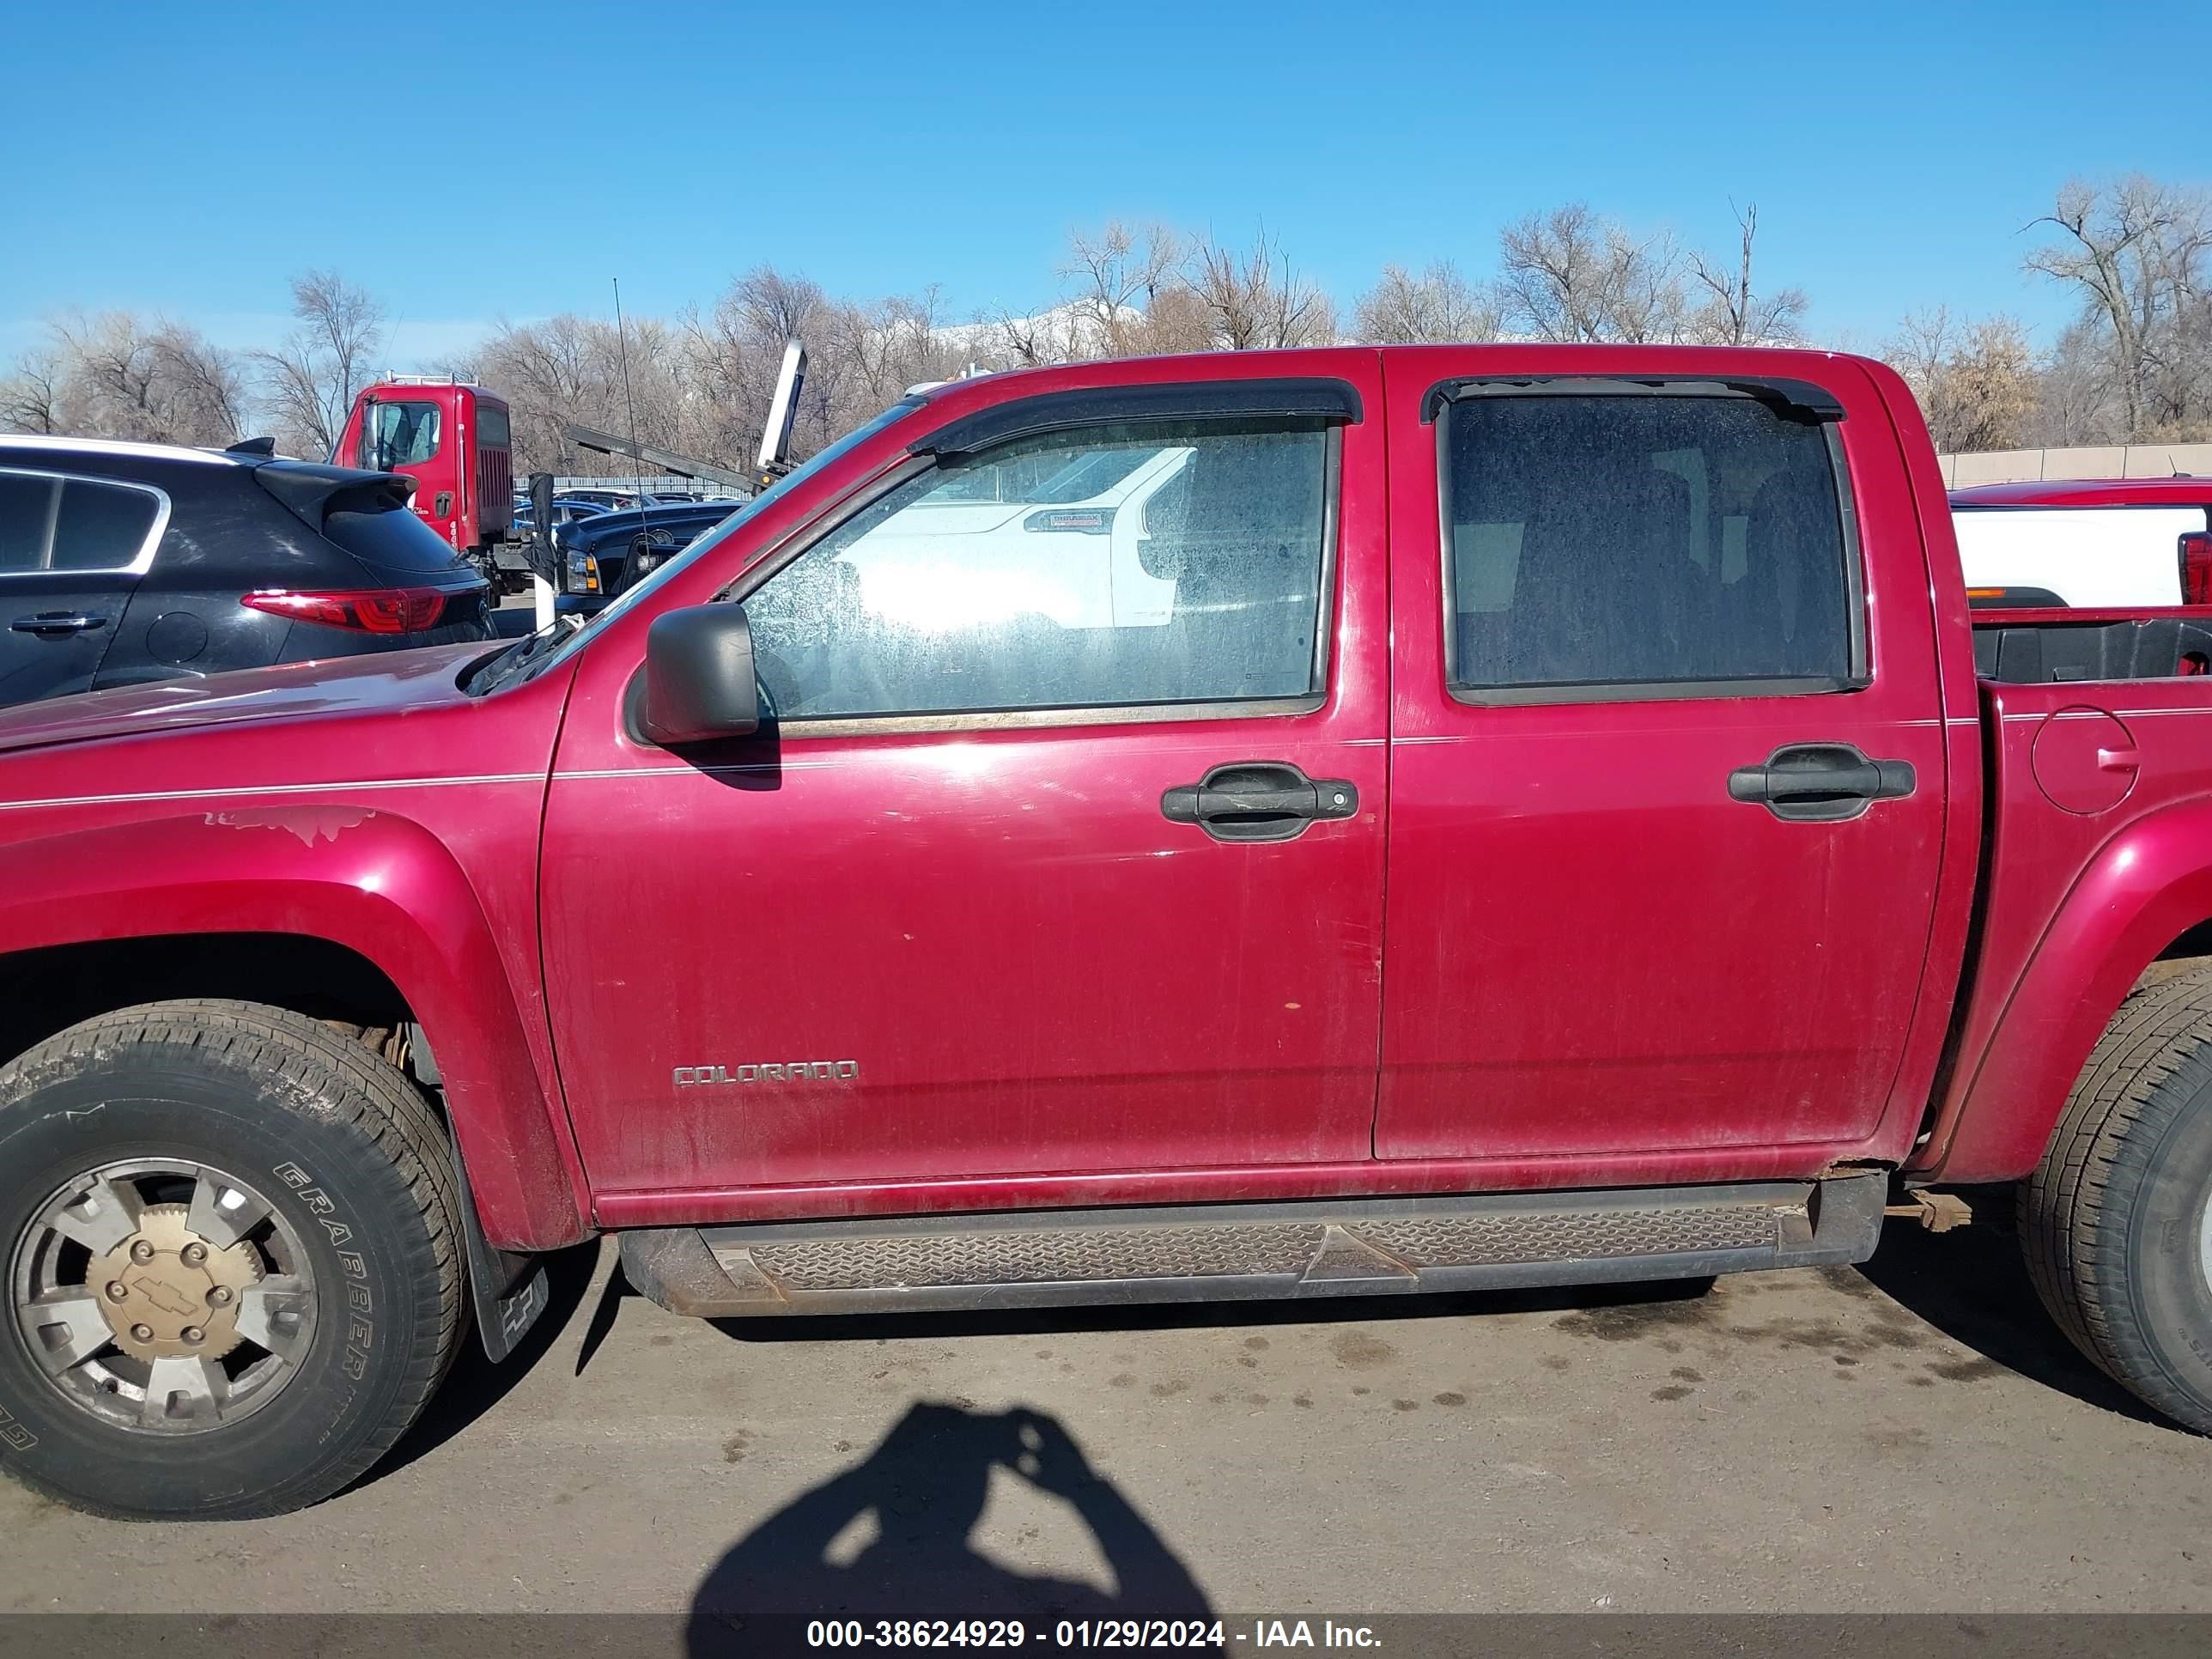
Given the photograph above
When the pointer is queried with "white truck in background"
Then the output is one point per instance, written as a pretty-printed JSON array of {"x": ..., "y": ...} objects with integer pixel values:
[{"x": 2087, "y": 544}]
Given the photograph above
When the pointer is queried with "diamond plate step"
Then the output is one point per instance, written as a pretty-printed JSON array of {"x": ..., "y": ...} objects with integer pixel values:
[{"x": 1205, "y": 1252}]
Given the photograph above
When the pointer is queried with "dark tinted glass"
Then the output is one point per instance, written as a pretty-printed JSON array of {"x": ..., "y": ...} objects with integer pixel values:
[
  {"x": 394, "y": 540},
  {"x": 491, "y": 426},
  {"x": 26, "y": 509},
  {"x": 102, "y": 526},
  {"x": 1612, "y": 540}
]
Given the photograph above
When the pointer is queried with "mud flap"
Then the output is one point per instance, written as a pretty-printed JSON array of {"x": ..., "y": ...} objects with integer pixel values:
[{"x": 509, "y": 1291}]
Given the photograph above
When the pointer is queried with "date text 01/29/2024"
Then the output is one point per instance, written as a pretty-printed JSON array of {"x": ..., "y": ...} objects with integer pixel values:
[{"x": 1203, "y": 1635}]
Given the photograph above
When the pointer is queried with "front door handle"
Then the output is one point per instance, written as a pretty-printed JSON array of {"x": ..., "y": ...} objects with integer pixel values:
[
  {"x": 1821, "y": 782},
  {"x": 1258, "y": 800},
  {"x": 52, "y": 624}
]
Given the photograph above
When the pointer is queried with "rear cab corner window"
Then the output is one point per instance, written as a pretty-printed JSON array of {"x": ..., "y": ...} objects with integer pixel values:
[
  {"x": 1146, "y": 564},
  {"x": 53, "y": 522},
  {"x": 1605, "y": 539}
]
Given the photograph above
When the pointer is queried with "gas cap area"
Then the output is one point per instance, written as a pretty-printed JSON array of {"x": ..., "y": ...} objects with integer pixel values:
[
  {"x": 2084, "y": 760},
  {"x": 176, "y": 637}
]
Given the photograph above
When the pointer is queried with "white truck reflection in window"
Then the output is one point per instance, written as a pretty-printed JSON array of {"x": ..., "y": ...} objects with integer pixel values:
[
  {"x": 950, "y": 561},
  {"x": 1126, "y": 565}
]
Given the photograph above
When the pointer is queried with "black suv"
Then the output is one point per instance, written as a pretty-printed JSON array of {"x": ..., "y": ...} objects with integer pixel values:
[{"x": 125, "y": 563}]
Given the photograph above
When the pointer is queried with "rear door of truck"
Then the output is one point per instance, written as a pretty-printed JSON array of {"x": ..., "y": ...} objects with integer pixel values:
[{"x": 1667, "y": 791}]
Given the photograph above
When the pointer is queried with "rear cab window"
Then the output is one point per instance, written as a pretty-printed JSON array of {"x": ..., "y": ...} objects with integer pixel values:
[{"x": 1604, "y": 540}]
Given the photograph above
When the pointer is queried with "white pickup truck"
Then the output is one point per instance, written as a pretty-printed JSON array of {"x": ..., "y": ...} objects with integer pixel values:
[{"x": 2088, "y": 543}]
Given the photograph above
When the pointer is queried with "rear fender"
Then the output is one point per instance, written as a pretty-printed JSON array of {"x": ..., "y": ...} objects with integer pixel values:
[
  {"x": 2143, "y": 889},
  {"x": 374, "y": 882}
]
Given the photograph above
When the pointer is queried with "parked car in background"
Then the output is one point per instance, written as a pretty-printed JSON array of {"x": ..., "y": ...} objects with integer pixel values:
[
  {"x": 125, "y": 563},
  {"x": 2093, "y": 543},
  {"x": 565, "y": 511},
  {"x": 606, "y": 498},
  {"x": 601, "y": 556}
]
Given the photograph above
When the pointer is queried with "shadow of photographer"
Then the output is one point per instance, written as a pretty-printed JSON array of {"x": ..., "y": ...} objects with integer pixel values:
[{"x": 925, "y": 1488}]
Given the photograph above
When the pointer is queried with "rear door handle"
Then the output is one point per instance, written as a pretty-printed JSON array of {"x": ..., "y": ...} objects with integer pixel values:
[
  {"x": 1821, "y": 782},
  {"x": 1258, "y": 800},
  {"x": 54, "y": 623}
]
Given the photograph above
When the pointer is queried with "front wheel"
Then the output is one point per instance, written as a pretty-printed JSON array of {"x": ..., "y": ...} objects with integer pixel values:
[
  {"x": 233, "y": 1275},
  {"x": 2117, "y": 1223}
]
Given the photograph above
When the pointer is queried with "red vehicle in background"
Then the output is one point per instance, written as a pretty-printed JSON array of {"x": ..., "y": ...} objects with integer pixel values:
[{"x": 451, "y": 437}]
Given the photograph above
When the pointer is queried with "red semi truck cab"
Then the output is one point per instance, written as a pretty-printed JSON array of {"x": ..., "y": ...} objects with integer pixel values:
[
  {"x": 453, "y": 438},
  {"x": 1266, "y": 824}
]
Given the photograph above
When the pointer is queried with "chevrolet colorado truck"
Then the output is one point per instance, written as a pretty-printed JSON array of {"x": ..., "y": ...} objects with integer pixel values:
[{"x": 1539, "y": 819}]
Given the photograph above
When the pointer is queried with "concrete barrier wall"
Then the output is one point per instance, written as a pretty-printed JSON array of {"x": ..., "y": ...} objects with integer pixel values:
[{"x": 2091, "y": 461}]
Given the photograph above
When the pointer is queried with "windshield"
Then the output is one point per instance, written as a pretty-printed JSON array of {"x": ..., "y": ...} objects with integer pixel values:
[
  {"x": 395, "y": 434},
  {"x": 540, "y": 651}
]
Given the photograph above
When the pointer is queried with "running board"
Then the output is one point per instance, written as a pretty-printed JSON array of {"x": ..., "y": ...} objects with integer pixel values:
[{"x": 1203, "y": 1253}]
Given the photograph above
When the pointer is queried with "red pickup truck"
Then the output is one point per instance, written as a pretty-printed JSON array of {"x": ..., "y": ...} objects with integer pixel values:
[{"x": 1270, "y": 825}]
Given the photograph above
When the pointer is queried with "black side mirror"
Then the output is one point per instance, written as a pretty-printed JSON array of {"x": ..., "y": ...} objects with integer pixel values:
[{"x": 699, "y": 684}]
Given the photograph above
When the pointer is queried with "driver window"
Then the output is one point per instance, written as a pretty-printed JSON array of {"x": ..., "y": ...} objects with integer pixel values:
[{"x": 1127, "y": 565}]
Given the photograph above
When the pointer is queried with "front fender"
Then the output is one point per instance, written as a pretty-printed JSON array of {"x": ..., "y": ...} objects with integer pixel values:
[
  {"x": 372, "y": 881},
  {"x": 2145, "y": 887}
]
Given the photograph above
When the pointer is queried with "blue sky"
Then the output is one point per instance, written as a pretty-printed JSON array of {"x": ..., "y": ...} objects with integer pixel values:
[{"x": 187, "y": 160}]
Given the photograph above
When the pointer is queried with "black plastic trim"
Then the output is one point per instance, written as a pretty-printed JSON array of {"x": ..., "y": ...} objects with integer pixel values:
[
  {"x": 1309, "y": 398},
  {"x": 1800, "y": 398},
  {"x": 313, "y": 491},
  {"x": 509, "y": 1291}
]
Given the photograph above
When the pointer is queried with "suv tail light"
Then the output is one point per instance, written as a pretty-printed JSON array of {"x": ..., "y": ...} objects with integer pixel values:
[
  {"x": 366, "y": 610},
  {"x": 2196, "y": 568}
]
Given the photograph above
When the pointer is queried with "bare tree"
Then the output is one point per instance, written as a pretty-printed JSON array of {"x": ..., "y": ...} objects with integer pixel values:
[
  {"x": 773, "y": 305},
  {"x": 163, "y": 382},
  {"x": 1735, "y": 313},
  {"x": 1570, "y": 275},
  {"x": 1976, "y": 382},
  {"x": 207, "y": 386},
  {"x": 1437, "y": 306},
  {"x": 1120, "y": 274},
  {"x": 2138, "y": 255},
  {"x": 309, "y": 383},
  {"x": 1257, "y": 301},
  {"x": 32, "y": 397}
]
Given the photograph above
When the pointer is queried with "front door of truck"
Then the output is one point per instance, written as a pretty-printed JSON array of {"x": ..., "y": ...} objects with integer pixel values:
[
  {"x": 1019, "y": 882},
  {"x": 1667, "y": 793}
]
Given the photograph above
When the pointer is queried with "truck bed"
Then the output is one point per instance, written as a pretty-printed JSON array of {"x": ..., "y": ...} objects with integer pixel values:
[{"x": 2061, "y": 644}]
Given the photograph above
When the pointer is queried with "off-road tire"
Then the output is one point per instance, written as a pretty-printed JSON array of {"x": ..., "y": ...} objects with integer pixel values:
[
  {"x": 350, "y": 1153},
  {"x": 2113, "y": 1222}
]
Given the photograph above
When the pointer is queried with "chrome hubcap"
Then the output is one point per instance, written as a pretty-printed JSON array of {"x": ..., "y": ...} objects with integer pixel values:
[{"x": 161, "y": 1296}]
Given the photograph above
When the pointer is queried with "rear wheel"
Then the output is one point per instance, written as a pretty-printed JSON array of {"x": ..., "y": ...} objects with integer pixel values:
[
  {"x": 2117, "y": 1223},
  {"x": 233, "y": 1275}
]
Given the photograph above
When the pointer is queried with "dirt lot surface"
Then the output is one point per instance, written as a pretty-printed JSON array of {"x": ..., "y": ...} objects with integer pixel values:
[{"x": 1910, "y": 1436}]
